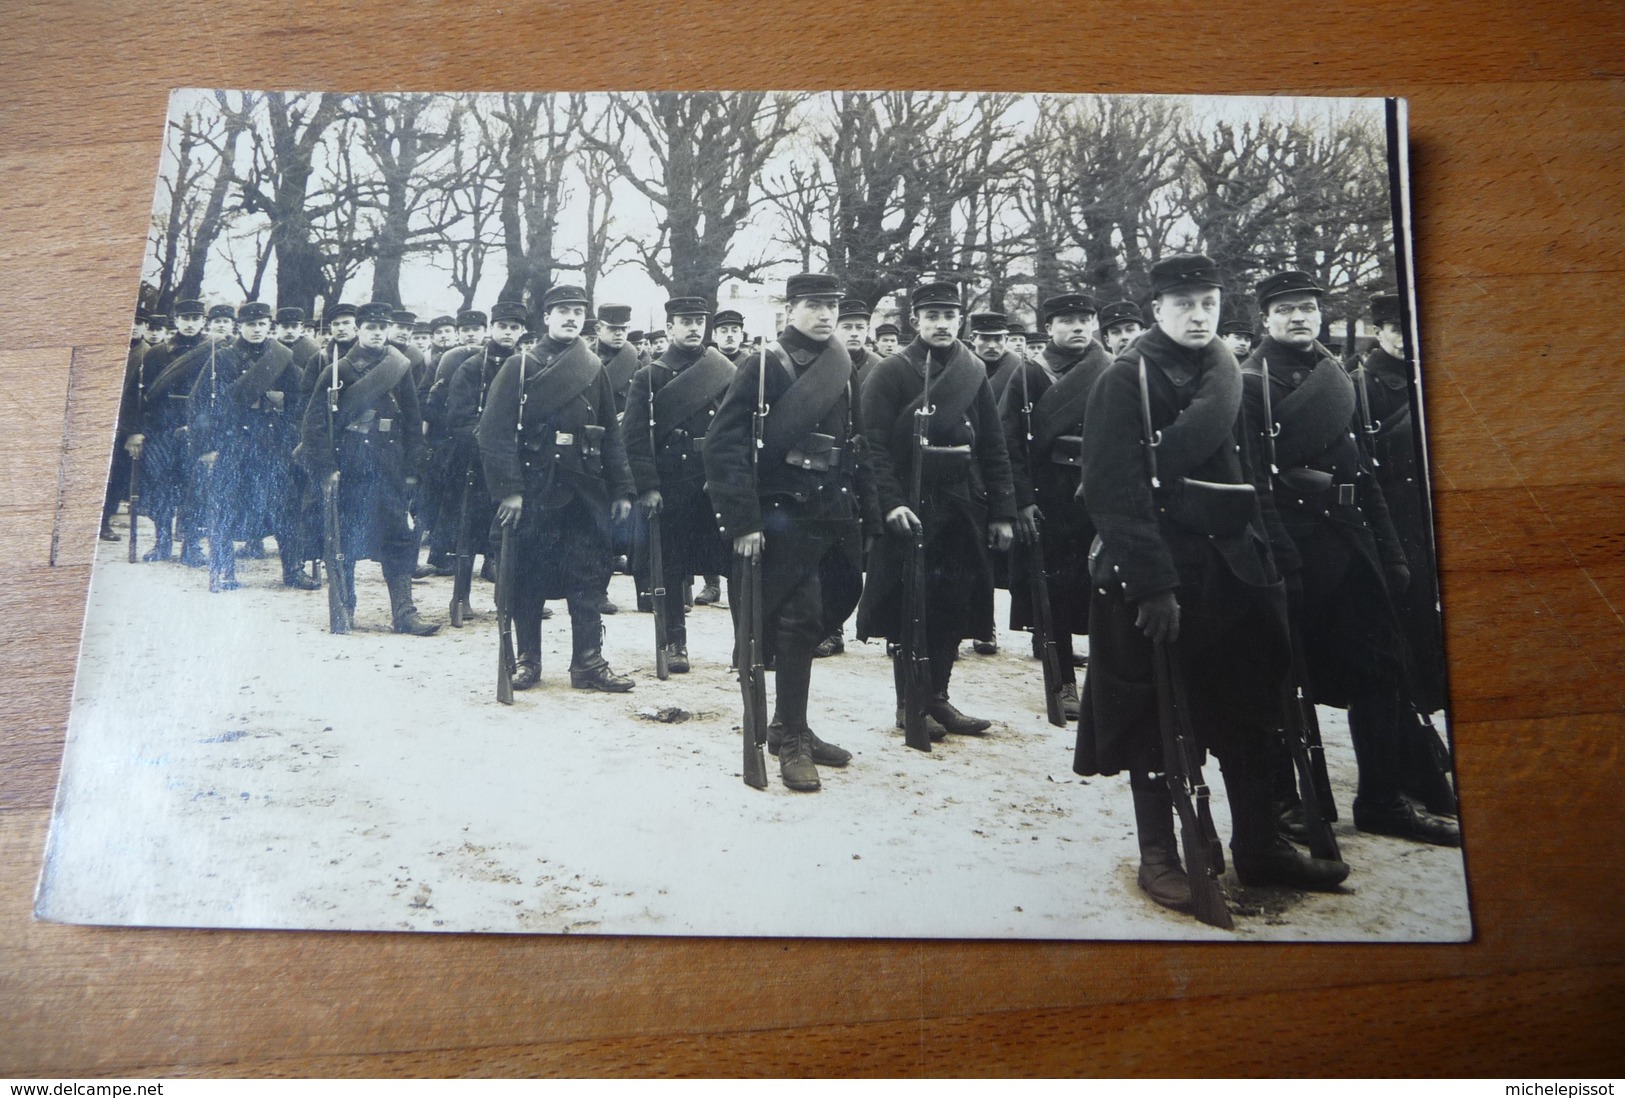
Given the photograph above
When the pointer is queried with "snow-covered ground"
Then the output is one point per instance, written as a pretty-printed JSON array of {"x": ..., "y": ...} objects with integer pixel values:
[{"x": 230, "y": 763}]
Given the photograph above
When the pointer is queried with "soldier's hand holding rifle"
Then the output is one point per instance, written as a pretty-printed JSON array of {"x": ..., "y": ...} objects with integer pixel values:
[
  {"x": 1000, "y": 535},
  {"x": 904, "y": 522},
  {"x": 620, "y": 510},
  {"x": 650, "y": 501},
  {"x": 508, "y": 509},
  {"x": 1158, "y": 617},
  {"x": 749, "y": 546},
  {"x": 1027, "y": 520},
  {"x": 208, "y": 459},
  {"x": 133, "y": 444}
]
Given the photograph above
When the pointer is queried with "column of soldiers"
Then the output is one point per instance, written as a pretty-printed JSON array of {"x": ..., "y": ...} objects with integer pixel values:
[{"x": 1250, "y": 520}]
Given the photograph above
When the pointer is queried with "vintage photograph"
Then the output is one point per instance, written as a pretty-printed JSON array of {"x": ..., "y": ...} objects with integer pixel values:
[{"x": 843, "y": 514}]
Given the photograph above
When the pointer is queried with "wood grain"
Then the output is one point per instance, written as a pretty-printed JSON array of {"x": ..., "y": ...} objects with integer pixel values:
[{"x": 1517, "y": 113}]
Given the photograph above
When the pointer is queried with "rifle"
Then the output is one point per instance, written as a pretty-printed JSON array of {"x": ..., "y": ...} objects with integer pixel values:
[
  {"x": 657, "y": 566},
  {"x": 914, "y": 652},
  {"x": 506, "y": 663},
  {"x": 1304, "y": 733},
  {"x": 1204, "y": 856},
  {"x": 748, "y": 626},
  {"x": 463, "y": 581},
  {"x": 657, "y": 595},
  {"x": 135, "y": 504},
  {"x": 338, "y": 578},
  {"x": 1371, "y": 427},
  {"x": 1043, "y": 616},
  {"x": 218, "y": 546}
]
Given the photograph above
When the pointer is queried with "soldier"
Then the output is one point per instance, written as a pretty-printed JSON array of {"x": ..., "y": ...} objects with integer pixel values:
[
  {"x": 619, "y": 357},
  {"x": 639, "y": 340},
  {"x": 444, "y": 477},
  {"x": 245, "y": 409},
  {"x": 222, "y": 324},
  {"x": 1120, "y": 324},
  {"x": 728, "y": 329},
  {"x": 1385, "y": 377},
  {"x": 556, "y": 466},
  {"x": 373, "y": 446},
  {"x": 118, "y": 472},
  {"x": 989, "y": 338},
  {"x": 1042, "y": 410},
  {"x": 158, "y": 330},
  {"x": 803, "y": 497},
  {"x": 886, "y": 340},
  {"x": 1349, "y": 556},
  {"x": 470, "y": 327},
  {"x": 1170, "y": 569},
  {"x": 852, "y": 328},
  {"x": 1015, "y": 341},
  {"x": 290, "y": 332},
  {"x": 657, "y": 344},
  {"x": 341, "y": 330},
  {"x": 967, "y": 506},
  {"x": 159, "y": 438},
  {"x": 1237, "y": 333},
  {"x": 442, "y": 336},
  {"x": 460, "y": 404},
  {"x": 671, "y": 405},
  {"x": 422, "y": 340}
]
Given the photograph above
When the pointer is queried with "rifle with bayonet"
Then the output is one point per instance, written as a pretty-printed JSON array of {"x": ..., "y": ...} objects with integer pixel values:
[
  {"x": 135, "y": 502},
  {"x": 1199, "y": 839},
  {"x": 913, "y": 647},
  {"x": 657, "y": 564},
  {"x": 338, "y": 578},
  {"x": 748, "y": 627},
  {"x": 220, "y": 549},
  {"x": 507, "y": 663},
  {"x": 1038, "y": 584}
]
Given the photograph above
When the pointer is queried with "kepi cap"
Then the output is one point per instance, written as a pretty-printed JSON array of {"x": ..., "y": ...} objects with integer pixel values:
[
  {"x": 811, "y": 284},
  {"x": 1062, "y": 304},
  {"x": 1287, "y": 282},
  {"x": 1184, "y": 272}
]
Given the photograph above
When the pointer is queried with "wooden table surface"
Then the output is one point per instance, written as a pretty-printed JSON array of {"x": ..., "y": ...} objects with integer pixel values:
[{"x": 1517, "y": 112}]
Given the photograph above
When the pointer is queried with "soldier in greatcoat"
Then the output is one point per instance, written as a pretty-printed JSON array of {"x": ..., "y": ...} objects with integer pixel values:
[
  {"x": 463, "y": 399},
  {"x": 555, "y": 464},
  {"x": 668, "y": 412},
  {"x": 1385, "y": 375},
  {"x": 1042, "y": 411},
  {"x": 1187, "y": 563},
  {"x": 803, "y": 497},
  {"x": 373, "y": 444},
  {"x": 728, "y": 329},
  {"x": 1349, "y": 555},
  {"x": 160, "y": 438},
  {"x": 966, "y": 508},
  {"x": 443, "y": 480},
  {"x": 245, "y": 413}
]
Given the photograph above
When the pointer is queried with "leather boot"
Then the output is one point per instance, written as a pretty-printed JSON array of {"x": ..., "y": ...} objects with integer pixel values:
[
  {"x": 933, "y": 727},
  {"x": 293, "y": 573},
  {"x": 677, "y": 652},
  {"x": 1260, "y": 853},
  {"x": 588, "y": 668},
  {"x": 1161, "y": 875},
  {"x": 402, "y": 611},
  {"x": 795, "y": 759},
  {"x": 952, "y": 720},
  {"x": 823, "y": 754}
]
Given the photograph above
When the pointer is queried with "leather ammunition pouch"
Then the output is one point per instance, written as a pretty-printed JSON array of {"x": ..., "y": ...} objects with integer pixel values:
[
  {"x": 1068, "y": 450},
  {"x": 1208, "y": 507},
  {"x": 1306, "y": 481},
  {"x": 815, "y": 451},
  {"x": 945, "y": 464}
]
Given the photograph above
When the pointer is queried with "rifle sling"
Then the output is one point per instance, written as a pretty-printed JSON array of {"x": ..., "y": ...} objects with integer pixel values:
[
  {"x": 803, "y": 407},
  {"x": 265, "y": 370},
  {"x": 552, "y": 387},
  {"x": 362, "y": 393},
  {"x": 1315, "y": 414},
  {"x": 1060, "y": 410},
  {"x": 690, "y": 390},
  {"x": 953, "y": 390}
]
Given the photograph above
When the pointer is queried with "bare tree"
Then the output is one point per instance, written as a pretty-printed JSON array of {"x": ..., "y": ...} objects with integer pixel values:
[
  {"x": 468, "y": 212},
  {"x": 707, "y": 150},
  {"x": 278, "y": 185},
  {"x": 597, "y": 256}
]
